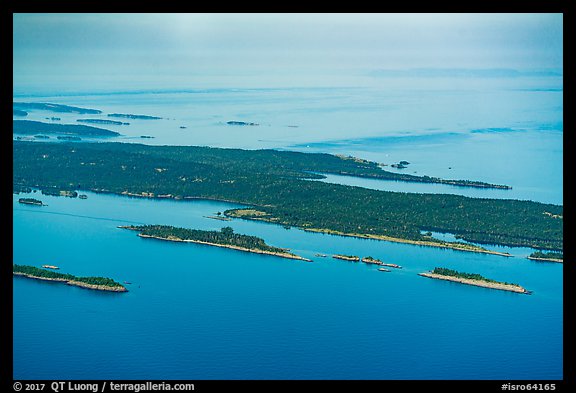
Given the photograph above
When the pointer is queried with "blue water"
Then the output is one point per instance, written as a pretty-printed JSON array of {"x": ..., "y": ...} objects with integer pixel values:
[{"x": 199, "y": 312}]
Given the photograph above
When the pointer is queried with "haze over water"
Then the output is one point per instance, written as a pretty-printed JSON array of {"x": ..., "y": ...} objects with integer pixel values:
[{"x": 477, "y": 97}]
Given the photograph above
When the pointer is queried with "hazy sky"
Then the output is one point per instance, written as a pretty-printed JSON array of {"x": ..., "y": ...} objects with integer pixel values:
[{"x": 115, "y": 51}]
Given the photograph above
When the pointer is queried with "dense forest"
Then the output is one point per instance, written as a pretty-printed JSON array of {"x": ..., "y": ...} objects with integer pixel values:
[
  {"x": 276, "y": 184},
  {"x": 225, "y": 236},
  {"x": 547, "y": 255},
  {"x": 470, "y": 276},
  {"x": 29, "y": 127},
  {"x": 37, "y": 272}
]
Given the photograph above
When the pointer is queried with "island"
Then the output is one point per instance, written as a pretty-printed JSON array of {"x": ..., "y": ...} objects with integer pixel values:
[
  {"x": 379, "y": 262},
  {"x": 351, "y": 258},
  {"x": 441, "y": 273},
  {"x": 224, "y": 238},
  {"x": 547, "y": 256},
  {"x": 30, "y": 127},
  {"x": 59, "y": 108},
  {"x": 31, "y": 201},
  {"x": 371, "y": 260},
  {"x": 240, "y": 123},
  {"x": 130, "y": 116},
  {"x": 96, "y": 283},
  {"x": 219, "y": 217},
  {"x": 277, "y": 187},
  {"x": 103, "y": 121}
]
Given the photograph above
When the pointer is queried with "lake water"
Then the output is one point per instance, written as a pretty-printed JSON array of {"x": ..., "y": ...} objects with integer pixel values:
[{"x": 199, "y": 312}]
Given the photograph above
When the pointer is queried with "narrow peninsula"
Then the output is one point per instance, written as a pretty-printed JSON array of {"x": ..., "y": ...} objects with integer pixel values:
[
  {"x": 58, "y": 108},
  {"x": 224, "y": 238},
  {"x": 29, "y": 127},
  {"x": 96, "y": 283},
  {"x": 441, "y": 273}
]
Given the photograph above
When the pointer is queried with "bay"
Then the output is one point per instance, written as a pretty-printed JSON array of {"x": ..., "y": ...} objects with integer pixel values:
[{"x": 200, "y": 312}]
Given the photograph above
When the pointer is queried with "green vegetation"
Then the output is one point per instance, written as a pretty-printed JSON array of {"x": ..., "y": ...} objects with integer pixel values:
[
  {"x": 469, "y": 276},
  {"x": 240, "y": 123},
  {"x": 29, "y": 127},
  {"x": 50, "y": 274},
  {"x": 53, "y": 107},
  {"x": 129, "y": 116},
  {"x": 275, "y": 185},
  {"x": 547, "y": 255},
  {"x": 225, "y": 236},
  {"x": 30, "y": 201},
  {"x": 102, "y": 121}
]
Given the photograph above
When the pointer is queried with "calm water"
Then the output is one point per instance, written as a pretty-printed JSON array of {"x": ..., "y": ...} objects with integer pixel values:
[{"x": 198, "y": 312}]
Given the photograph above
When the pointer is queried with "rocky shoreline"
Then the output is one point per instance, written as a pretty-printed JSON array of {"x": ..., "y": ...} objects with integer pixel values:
[
  {"x": 546, "y": 259},
  {"x": 255, "y": 251},
  {"x": 478, "y": 283},
  {"x": 74, "y": 283}
]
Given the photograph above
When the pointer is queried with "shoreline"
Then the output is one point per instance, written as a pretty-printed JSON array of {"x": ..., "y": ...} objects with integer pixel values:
[
  {"x": 408, "y": 241},
  {"x": 74, "y": 283},
  {"x": 456, "y": 247},
  {"x": 326, "y": 231},
  {"x": 238, "y": 248},
  {"x": 478, "y": 283},
  {"x": 546, "y": 259}
]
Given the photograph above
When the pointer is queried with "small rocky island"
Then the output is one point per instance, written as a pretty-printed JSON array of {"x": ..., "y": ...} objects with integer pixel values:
[
  {"x": 351, "y": 258},
  {"x": 103, "y": 121},
  {"x": 241, "y": 123},
  {"x": 96, "y": 283},
  {"x": 375, "y": 261},
  {"x": 31, "y": 201},
  {"x": 130, "y": 116},
  {"x": 442, "y": 273},
  {"x": 224, "y": 238}
]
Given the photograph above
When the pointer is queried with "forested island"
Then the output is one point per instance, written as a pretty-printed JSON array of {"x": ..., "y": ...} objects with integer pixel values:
[
  {"x": 350, "y": 258},
  {"x": 97, "y": 283},
  {"x": 547, "y": 256},
  {"x": 441, "y": 273},
  {"x": 59, "y": 108},
  {"x": 130, "y": 116},
  {"x": 224, "y": 238},
  {"x": 30, "y": 127},
  {"x": 240, "y": 123},
  {"x": 274, "y": 184},
  {"x": 30, "y": 201},
  {"x": 103, "y": 121}
]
